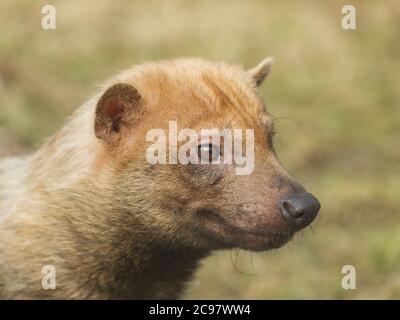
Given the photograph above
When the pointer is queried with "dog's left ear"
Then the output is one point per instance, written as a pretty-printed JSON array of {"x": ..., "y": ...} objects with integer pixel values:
[{"x": 261, "y": 71}]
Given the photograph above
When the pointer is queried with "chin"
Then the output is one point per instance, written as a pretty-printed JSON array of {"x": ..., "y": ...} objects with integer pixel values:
[
  {"x": 245, "y": 240},
  {"x": 220, "y": 234},
  {"x": 253, "y": 242}
]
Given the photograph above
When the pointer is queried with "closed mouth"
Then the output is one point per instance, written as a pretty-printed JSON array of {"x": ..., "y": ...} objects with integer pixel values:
[{"x": 220, "y": 230}]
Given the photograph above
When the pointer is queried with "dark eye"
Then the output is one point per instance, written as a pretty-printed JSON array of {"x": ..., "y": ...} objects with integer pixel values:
[{"x": 208, "y": 152}]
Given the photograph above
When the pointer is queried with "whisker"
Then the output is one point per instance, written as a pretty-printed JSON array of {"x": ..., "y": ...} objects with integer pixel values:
[{"x": 290, "y": 118}]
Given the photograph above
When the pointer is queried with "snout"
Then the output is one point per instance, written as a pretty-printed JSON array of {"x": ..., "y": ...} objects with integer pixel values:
[{"x": 299, "y": 210}]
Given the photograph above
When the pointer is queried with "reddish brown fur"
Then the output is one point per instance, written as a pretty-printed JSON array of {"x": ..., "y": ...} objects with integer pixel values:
[{"x": 115, "y": 226}]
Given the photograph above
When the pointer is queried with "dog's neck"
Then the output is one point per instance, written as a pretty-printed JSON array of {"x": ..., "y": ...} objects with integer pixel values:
[
  {"x": 154, "y": 272},
  {"x": 116, "y": 252},
  {"x": 133, "y": 265}
]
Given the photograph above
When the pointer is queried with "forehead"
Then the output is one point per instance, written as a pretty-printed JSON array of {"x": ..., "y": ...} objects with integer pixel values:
[{"x": 197, "y": 93}]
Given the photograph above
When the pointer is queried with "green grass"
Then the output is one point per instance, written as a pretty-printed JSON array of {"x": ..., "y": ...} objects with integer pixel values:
[{"x": 339, "y": 90}]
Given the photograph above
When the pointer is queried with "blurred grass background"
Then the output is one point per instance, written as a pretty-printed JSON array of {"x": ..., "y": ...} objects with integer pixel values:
[{"x": 339, "y": 90}]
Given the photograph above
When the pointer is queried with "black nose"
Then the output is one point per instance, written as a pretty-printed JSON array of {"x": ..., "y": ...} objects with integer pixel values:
[{"x": 299, "y": 210}]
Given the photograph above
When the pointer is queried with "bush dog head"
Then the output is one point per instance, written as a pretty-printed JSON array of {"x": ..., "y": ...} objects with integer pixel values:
[{"x": 205, "y": 205}]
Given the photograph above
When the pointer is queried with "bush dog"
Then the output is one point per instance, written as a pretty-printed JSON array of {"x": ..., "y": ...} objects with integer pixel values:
[{"x": 112, "y": 225}]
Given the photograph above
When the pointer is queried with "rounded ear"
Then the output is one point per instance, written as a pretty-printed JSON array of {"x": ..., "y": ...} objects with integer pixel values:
[
  {"x": 261, "y": 71},
  {"x": 116, "y": 108}
]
